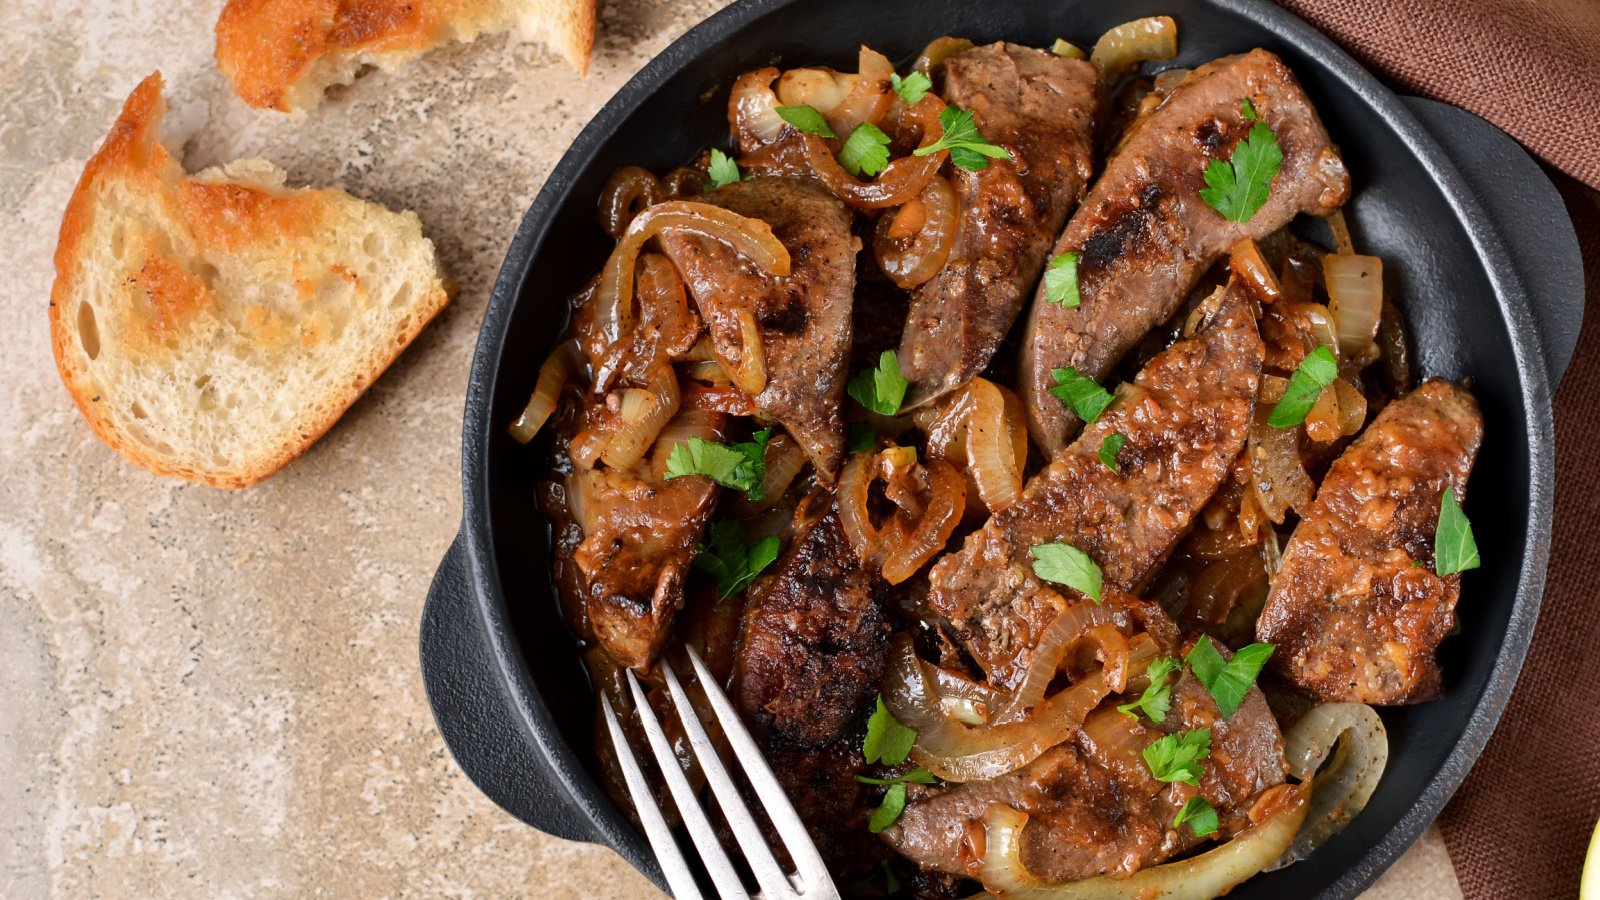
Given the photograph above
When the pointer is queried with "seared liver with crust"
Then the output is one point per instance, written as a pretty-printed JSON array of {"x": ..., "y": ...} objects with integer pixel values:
[
  {"x": 1144, "y": 235},
  {"x": 1094, "y": 810},
  {"x": 804, "y": 317},
  {"x": 1185, "y": 419},
  {"x": 1040, "y": 107},
  {"x": 1355, "y": 619},
  {"x": 813, "y": 649}
]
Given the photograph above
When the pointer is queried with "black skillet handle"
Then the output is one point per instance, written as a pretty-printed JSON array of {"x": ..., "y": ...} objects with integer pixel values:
[
  {"x": 1530, "y": 216},
  {"x": 479, "y": 724}
]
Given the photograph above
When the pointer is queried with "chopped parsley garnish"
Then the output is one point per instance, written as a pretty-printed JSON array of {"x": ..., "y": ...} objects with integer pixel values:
[
  {"x": 863, "y": 437},
  {"x": 1080, "y": 394},
  {"x": 1157, "y": 697},
  {"x": 883, "y": 389},
  {"x": 1248, "y": 109},
  {"x": 1228, "y": 681},
  {"x": 1061, "y": 280},
  {"x": 1110, "y": 447},
  {"x": 887, "y": 741},
  {"x": 1454, "y": 549},
  {"x": 732, "y": 562},
  {"x": 1177, "y": 756},
  {"x": 865, "y": 151},
  {"x": 806, "y": 119},
  {"x": 723, "y": 170},
  {"x": 911, "y": 88},
  {"x": 1238, "y": 187},
  {"x": 1315, "y": 372},
  {"x": 1200, "y": 815},
  {"x": 740, "y": 466},
  {"x": 968, "y": 148},
  {"x": 894, "y": 803},
  {"x": 1066, "y": 564}
]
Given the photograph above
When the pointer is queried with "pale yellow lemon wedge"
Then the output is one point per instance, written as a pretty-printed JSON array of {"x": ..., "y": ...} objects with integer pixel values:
[{"x": 1590, "y": 888}]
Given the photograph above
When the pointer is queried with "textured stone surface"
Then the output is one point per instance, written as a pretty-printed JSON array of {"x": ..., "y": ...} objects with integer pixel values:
[{"x": 216, "y": 694}]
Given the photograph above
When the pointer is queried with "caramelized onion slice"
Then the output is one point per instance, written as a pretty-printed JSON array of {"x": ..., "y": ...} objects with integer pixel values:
[
  {"x": 1355, "y": 292},
  {"x": 1211, "y": 874},
  {"x": 1248, "y": 264},
  {"x": 955, "y": 751},
  {"x": 938, "y": 50},
  {"x": 1064, "y": 630},
  {"x": 753, "y": 109},
  {"x": 901, "y": 181},
  {"x": 1119, "y": 50},
  {"x": 784, "y": 461},
  {"x": 629, "y": 191},
  {"x": 992, "y": 432},
  {"x": 752, "y": 238},
  {"x": 1354, "y": 736},
  {"x": 750, "y": 372},
  {"x": 908, "y": 546},
  {"x": 913, "y": 243},
  {"x": 641, "y": 416},
  {"x": 565, "y": 360}
]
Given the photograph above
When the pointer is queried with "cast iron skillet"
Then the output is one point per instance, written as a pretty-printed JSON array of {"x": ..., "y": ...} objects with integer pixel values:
[{"x": 1474, "y": 241}]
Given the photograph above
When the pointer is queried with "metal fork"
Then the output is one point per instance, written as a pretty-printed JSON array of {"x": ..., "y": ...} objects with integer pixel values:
[{"x": 810, "y": 881}]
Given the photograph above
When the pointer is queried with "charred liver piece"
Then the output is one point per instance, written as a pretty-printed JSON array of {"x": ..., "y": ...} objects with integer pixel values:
[
  {"x": 1041, "y": 108},
  {"x": 1185, "y": 418},
  {"x": 803, "y": 317},
  {"x": 1354, "y": 615},
  {"x": 1145, "y": 236}
]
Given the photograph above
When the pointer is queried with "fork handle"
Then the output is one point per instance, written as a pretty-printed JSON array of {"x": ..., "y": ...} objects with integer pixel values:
[{"x": 467, "y": 694}]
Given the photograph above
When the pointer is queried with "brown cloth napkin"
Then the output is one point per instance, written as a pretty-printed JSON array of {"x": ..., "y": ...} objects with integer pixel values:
[{"x": 1520, "y": 824}]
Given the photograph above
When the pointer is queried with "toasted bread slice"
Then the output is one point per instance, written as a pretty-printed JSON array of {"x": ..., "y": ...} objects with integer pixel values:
[
  {"x": 282, "y": 54},
  {"x": 213, "y": 326}
]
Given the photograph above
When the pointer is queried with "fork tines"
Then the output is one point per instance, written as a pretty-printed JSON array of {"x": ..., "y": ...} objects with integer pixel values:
[{"x": 810, "y": 880}]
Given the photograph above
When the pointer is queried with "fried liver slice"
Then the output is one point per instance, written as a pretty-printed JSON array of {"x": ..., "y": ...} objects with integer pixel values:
[
  {"x": 1145, "y": 236},
  {"x": 803, "y": 317},
  {"x": 1095, "y": 810},
  {"x": 1185, "y": 418},
  {"x": 811, "y": 653},
  {"x": 1356, "y": 611},
  {"x": 1041, "y": 108}
]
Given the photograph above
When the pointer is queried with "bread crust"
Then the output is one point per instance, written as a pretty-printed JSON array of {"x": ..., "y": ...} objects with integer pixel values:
[
  {"x": 132, "y": 152},
  {"x": 282, "y": 54}
]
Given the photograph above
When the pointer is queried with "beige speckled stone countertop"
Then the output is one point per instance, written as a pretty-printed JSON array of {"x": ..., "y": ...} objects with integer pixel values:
[{"x": 209, "y": 694}]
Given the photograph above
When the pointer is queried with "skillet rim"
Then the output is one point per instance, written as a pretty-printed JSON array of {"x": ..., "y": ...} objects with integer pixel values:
[{"x": 483, "y": 572}]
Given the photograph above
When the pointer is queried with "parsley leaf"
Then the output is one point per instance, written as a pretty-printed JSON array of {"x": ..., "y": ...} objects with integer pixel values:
[
  {"x": 1228, "y": 681},
  {"x": 967, "y": 146},
  {"x": 894, "y": 803},
  {"x": 1238, "y": 187},
  {"x": 806, "y": 119},
  {"x": 911, "y": 88},
  {"x": 730, "y": 561},
  {"x": 1066, "y": 564},
  {"x": 723, "y": 170},
  {"x": 883, "y": 389},
  {"x": 1080, "y": 394},
  {"x": 1200, "y": 815},
  {"x": 863, "y": 437},
  {"x": 1157, "y": 697},
  {"x": 1061, "y": 280},
  {"x": 865, "y": 151},
  {"x": 888, "y": 741},
  {"x": 740, "y": 466},
  {"x": 1248, "y": 109},
  {"x": 1315, "y": 372},
  {"x": 1110, "y": 447},
  {"x": 918, "y": 775},
  {"x": 1177, "y": 756},
  {"x": 891, "y": 884},
  {"x": 1454, "y": 549}
]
